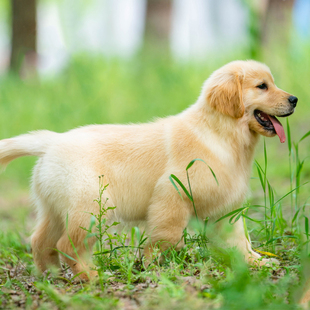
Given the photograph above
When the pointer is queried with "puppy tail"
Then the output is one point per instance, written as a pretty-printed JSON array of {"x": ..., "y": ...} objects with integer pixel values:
[{"x": 31, "y": 144}]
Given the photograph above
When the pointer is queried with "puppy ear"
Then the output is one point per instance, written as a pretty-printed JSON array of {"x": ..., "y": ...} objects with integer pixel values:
[{"x": 224, "y": 93}]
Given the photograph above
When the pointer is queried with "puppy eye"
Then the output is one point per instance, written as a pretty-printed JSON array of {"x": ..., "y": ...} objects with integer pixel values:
[{"x": 262, "y": 86}]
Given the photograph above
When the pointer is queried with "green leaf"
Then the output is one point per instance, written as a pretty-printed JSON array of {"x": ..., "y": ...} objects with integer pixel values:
[
  {"x": 299, "y": 168},
  {"x": 235, "y": 218},
  {"x": 91, "y": 235},
  {"x": 289, "y": 140},
  {"x": 116, "y": 248},
  {"x": 235, "y": 212},
  {"x": 66, "y": 255},
  {"x": 72, "y": 244},
  {"x": 265, "y": 157},
  {"x": 305, "y": 136},
  {"x": 172, "y": 177},
  {"x": 249, "y": 218},
  {"x": 78, "y": 275},
  {"x": 199, "y": 159},
  {"x": 306, "y": 226},
  {"x": 277, "y": 238},
  {"x": 271, "y": 195},
  {"x": 289, "y": 193},
  {"x": 260, "y": 171},
  {"x": 141, "y": 242},
  {"x": 295, "y": 215},
  {"x": 92, "y": 222}
]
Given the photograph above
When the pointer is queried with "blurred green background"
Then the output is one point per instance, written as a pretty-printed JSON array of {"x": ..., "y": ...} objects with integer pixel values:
[{"x": 150, "y": 81}]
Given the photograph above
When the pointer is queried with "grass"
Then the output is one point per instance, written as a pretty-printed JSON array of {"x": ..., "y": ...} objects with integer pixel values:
[{"x": 199, "y": 276}]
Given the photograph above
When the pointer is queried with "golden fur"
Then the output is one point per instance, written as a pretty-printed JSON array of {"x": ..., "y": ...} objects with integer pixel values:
[{"x": 137, "y": 160}]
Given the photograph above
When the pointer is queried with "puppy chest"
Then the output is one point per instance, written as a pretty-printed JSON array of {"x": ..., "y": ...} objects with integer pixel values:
[{"x": 211, "y": 198}]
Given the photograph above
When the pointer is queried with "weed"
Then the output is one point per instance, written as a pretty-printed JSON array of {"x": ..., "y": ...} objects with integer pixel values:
[
  {"x": 200, "y": 237},
  {"x": 111, "y": 245}
]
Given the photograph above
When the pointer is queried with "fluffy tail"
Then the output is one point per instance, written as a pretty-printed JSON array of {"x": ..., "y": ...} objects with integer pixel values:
[{"x": 31, "y": 144}]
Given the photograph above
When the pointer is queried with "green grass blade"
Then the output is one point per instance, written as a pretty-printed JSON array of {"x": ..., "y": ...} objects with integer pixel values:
[
  {"x": 199, "y": 159},
  {"x": 265, "y": 158},
  {"x": 278, "y": 238},
  {"x": 271, "y": 196},
  {"x": 289, "y": 193},
  {"x": 235, "y": 218},
  {"x": 296, "y": 215},
  {"x": 289, "y": 140},
  {"x": 251, "y": 219},
  {"x": 172, "y": 177},
  {"x": 306, "y": 226},
  {"x": 247, "y": 235},
  {"x": 260, "y": 171},
  {"x": 233, "y": 213},
  {"x": 72, "y": 244},
  {"x": 66, "y": 255},
  {"x": 305, "y": 136}
]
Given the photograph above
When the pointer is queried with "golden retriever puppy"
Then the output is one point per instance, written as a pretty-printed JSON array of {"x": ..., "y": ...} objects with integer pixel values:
[{"x": 238, "y": 103}]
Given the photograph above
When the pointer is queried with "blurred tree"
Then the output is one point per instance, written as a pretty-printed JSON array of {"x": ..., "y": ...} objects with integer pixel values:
[
  {"x": 24, "y": 33},
  {"x": 269, "y": 24},
  {"x": 158, "y": 24},
  {"x": 278, "y": 22},
  {"x": 257, "y": 13}
]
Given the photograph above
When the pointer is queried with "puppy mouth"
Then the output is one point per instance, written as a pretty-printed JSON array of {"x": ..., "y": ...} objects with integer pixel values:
[{"x": 271, "y": 123}]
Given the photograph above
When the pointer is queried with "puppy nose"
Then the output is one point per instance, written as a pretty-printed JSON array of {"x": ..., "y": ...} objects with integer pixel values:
[{"x": 293, "y": 100}]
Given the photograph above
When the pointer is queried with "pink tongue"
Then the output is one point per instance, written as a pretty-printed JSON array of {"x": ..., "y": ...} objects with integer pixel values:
[{"x": 278, "y": 128}]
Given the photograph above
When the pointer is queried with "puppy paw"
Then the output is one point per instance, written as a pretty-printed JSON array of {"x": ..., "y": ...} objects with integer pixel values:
[
  {"x": 259, "y": 261},
  {"x": 269, "y": 262},
  {"x": 87, "y": 276}
]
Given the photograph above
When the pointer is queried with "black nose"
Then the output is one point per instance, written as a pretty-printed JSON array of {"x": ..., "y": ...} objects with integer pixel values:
[{"x": 293, "y": 100}]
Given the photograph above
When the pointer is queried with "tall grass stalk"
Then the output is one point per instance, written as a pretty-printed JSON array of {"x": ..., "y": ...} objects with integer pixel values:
[
  {"x": 99, "y": 226},
  {"x": 109, "y": 259},
  {"x": 189, "y": 194},
  {"x": 296, "y": 166},
  {"x": 262, "y": 173}
]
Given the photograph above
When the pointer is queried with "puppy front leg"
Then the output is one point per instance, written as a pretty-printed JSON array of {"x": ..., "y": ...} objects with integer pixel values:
[
  {"x": 237, "y": 238},
  {"x": 166, "y": 222}
]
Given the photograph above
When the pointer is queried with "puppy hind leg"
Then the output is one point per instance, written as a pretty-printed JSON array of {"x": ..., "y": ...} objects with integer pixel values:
[
  {"x": 43, "y": 243},
  {"x": 72, "y": 243}
]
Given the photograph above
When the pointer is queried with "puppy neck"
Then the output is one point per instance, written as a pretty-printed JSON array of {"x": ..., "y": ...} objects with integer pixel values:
[{"x": 234, "y": 131}]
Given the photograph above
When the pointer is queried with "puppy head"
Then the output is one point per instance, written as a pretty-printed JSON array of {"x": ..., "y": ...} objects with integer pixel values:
[{"x": 246, "y": 89}]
